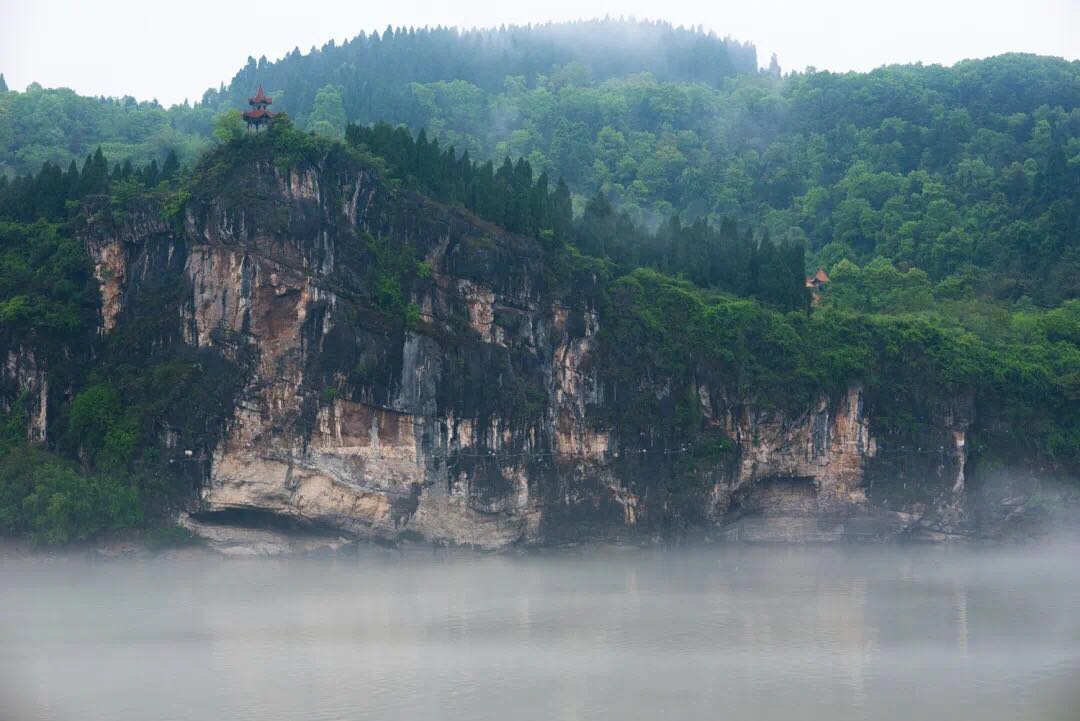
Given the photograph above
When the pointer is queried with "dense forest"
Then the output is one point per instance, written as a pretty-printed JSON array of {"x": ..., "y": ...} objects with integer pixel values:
[
  {"x": 967, "y": 173},
  {"x": 510, "y": 195},
  {"x": 41, "y": 125},
  {"x": 944, "y": 203}
]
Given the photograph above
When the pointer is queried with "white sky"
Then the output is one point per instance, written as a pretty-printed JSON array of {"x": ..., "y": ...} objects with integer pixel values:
[{"x": 176, "y": 49}]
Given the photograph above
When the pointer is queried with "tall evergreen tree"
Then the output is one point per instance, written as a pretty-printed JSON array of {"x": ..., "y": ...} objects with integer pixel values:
[
  {"x": 150, "y": 175},
  {"x": 95, "y": 174},
  {"x": 540, "y": 206},
  {"x": 774, "y": 66},
  {"x": 562, "y": 212},
  {"x": 71, "y": 181},
  {"x": 171, "y": 166}
]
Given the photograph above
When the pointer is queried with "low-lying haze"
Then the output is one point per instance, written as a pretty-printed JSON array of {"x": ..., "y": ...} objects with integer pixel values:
[{"x": 887, "y": 633}]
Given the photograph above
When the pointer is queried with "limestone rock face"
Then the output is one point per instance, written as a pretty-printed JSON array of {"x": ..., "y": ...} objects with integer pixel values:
[
  {"x": 109, "y": 248},
  {"x": 27, "y": 374},
  {"x": 478, "y": 423}
]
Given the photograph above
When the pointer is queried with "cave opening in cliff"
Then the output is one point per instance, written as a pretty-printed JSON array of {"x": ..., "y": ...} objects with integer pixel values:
[
  {"x": 263, "y": 520},
  {"x": 775, "y": 493}
]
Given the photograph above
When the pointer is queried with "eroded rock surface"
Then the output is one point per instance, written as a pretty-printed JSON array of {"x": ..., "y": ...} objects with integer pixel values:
[{"x": 476, "y": 424}]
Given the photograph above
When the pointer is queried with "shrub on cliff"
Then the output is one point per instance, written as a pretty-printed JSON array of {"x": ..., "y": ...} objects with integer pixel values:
[
  {"x": 660, "y": 334},
  {"x": 46, "y": 285},
  {"x": 47, "y": 499}
]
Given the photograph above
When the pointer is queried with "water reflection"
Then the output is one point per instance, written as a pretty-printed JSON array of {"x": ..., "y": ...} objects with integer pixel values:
[{"x": 763, "y": 633}]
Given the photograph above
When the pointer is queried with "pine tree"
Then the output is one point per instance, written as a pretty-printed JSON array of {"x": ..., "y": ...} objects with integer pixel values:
[
  {"x": 798, "y": 297},
  {"x": 71, "y": 181},
  {"x": 171, "y": 166},
  {"x": 482, "y": 195},
  {"x": 520, "y": 203},
  {"x": 744, "y": 264},
  {"x": 540, "y": 205},
  {"x": 3, "y": 84},
  {"x": 95, "y": 174},
  {"x": 774, "y": 66},
  {"x": 562, "y": 212},
  {"x": 502, "y": 206},
  {"x": 1050, "y": 180},
  {"x": 596, "y": 231},
  {"x": 150, "y": 174}
]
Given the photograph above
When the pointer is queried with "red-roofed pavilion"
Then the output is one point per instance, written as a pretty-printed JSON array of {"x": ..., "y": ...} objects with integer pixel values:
[{"x": 258, "y": 114}]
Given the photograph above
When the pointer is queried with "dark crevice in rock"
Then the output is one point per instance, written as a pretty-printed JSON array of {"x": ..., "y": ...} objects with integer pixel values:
[{"x": 264, "y": 520}]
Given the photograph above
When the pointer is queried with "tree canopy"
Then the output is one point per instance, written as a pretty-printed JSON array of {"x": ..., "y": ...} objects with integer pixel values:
[{"x": 966, "y": 172}]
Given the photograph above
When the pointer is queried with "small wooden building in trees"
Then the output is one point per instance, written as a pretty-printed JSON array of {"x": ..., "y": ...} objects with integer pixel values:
[
  {"x": 817, "y": 280},
  {"x": 815, "y": 283},
  {"x": 258, "y": 115}
]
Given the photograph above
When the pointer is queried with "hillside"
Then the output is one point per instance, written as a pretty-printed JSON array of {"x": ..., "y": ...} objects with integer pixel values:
[{"x": 292, "y": 335}]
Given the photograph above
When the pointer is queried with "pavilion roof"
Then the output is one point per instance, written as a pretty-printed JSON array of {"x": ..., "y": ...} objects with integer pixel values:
[{"x": 260, "y": 98}]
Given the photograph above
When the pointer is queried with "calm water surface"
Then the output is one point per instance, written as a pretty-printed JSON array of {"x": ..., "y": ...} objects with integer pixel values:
[{"x": 780, "y": 633}]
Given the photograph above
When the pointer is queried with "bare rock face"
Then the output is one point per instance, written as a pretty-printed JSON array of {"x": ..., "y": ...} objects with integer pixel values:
[
  {"x": 370, "y": 467},
  {"x": 794, "y": 473},
  {"x": 475, "y": 424},
  {"x": 27, "y": 374},
  {"x": 109, "y": 248},
  {"x": 829, "y": 443}
]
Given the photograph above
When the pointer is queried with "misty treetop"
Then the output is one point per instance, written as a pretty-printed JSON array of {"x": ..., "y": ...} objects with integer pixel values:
[
  {"x": 923, "y": 165},
  {"x": 375, "y": 70}
]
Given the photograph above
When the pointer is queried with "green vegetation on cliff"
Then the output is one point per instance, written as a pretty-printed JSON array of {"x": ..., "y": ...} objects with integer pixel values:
[
  {"x": 1022, "y": 369},
  {"x": 114, "y": 398},
  {"x": 679, "y": 194},
  {"x": 909, "y": 341},
  {"x": 46, "y": 287}
]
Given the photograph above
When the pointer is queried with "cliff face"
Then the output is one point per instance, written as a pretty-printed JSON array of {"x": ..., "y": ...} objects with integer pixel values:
[
  {"x": 28, "y": 380},
  {"x": 476, "y": 420}
]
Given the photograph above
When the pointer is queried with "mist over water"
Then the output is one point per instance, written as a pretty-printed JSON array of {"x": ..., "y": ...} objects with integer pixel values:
[{"x": 748, "y": 633}]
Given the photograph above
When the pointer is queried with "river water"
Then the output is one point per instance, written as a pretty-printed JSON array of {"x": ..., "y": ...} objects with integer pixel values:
[{"x": 740, "y": 633}]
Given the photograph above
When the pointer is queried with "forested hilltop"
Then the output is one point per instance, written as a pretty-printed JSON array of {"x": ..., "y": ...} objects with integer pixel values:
[
  {"x": 374, "y": 74},
  {"x": 967, "y": 173}
]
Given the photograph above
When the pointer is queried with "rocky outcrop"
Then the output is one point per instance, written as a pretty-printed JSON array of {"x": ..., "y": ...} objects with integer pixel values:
[
  {"x": 475, "y": 420},
  {"x": 109, "y": 246},
  {"x": 27, "y": 383}
]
